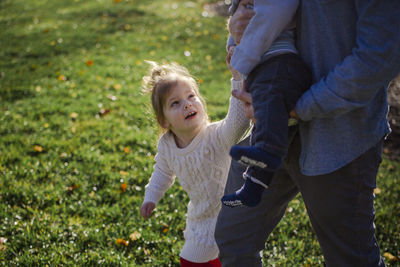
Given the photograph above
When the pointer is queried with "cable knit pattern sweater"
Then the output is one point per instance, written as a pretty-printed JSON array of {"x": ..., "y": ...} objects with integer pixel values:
[{"x": 202, "y": 169}]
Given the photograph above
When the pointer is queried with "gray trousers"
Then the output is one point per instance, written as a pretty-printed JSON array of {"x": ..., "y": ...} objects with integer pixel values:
[{"x": 339, "y": 205}]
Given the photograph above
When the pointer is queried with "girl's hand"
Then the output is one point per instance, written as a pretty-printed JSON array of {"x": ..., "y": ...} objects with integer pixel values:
[
  {"x": 146, "y": 209},
  {"x": 235, "y": 73},
  {"x": 245, "y": 97}
]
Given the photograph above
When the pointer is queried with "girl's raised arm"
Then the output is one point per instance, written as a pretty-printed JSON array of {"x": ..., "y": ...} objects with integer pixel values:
[{"x": 236, "y": 122}]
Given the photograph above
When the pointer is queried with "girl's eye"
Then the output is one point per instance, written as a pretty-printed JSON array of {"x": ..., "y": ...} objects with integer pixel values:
[
  {"x": 174, "y": 103},
  {"x": 192, "y": 95}
]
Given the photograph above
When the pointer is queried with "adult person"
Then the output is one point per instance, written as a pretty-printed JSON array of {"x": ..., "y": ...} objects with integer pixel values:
[{"x": 353, "y": 50}]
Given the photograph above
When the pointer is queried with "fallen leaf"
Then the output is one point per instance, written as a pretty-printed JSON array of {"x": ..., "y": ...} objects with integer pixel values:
[
  {"x": 127, "y": 150},
  {"x": 377, "y": 191},
  {"x": 123, "y": 187},
  {"x": 104, "y": 111},
  {"x": 390, "y": 257},
  {"x": 89, "y": 63},
  {"x": 165, "y": 228},
  {"x": 73, "y": 187},
  {"x": 121, "y": 241},
  {"x": 38, "y": 148},
  {"x": 134, "y": 236},
  {"x": 62, "y": 78}
]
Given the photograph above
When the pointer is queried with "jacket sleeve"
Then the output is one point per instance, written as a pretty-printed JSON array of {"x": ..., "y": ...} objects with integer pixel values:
[
  {"x": 373, "y": 63},
  {"x": 161, "y": 179},
  {"x": 270, "y": 19}
]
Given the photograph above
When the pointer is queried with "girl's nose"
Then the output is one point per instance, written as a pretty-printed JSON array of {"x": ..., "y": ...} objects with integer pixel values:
[{"x": 187, "y": 105}]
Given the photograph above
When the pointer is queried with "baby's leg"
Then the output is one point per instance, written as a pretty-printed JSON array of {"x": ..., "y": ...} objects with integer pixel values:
[
  {"x": 256, "y": 181},
  {"x": 275, "y": 86}
]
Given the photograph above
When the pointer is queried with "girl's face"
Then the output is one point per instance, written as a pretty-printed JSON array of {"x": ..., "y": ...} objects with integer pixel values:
[{"x": 183, "y": 111}]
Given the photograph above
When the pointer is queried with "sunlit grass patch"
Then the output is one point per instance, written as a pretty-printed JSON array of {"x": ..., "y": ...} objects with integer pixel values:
[{"x": 78, "y": 140}]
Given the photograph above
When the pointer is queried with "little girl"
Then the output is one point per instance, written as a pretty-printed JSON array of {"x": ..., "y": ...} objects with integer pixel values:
[{"x": 194, "y": 150}]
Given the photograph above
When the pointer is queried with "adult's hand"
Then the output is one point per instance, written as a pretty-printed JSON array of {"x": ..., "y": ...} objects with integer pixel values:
[
  {"x": 245, "y": 97},
  {"x": 238, "y": 22}
]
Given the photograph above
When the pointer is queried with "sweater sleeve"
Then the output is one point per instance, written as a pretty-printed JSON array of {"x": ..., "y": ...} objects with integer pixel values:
[
  {"x": 374, "y": 61},
  {"x": 235, "y": 124},
  {"x": 162, "y": 177},
  {"x": 269, "y": 20}
]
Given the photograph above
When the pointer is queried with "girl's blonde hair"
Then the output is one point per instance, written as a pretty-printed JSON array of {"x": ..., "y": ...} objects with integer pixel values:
[{"x": 159, "y": 82}]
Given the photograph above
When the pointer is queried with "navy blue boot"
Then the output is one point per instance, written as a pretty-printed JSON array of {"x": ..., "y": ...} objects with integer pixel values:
[{"x": 248, "y": 195}]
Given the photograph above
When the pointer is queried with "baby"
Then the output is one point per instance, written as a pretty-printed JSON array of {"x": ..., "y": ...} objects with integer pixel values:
[{"x": 276, "y": 79}]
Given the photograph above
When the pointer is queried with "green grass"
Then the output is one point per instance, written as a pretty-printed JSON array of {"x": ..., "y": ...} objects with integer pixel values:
[{"x": 74, "y": 127}]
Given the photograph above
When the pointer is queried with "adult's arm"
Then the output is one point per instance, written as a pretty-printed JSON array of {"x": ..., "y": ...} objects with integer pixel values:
[
  {"x": 373, "y": 63},
  {"x": 270, "y": 19}
]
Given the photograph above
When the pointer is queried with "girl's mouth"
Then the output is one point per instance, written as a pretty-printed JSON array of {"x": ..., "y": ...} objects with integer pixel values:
[{"x": 190, "y": 115}]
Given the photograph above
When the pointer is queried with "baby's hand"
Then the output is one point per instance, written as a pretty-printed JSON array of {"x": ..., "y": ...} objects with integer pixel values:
[{"x": 146, "y": 209}]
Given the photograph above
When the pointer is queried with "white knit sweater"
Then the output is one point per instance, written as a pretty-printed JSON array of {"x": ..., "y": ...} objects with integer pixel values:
[{"x": 202, "y": 169}]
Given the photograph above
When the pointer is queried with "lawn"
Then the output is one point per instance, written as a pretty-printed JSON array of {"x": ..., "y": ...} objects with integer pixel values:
[{"x": 78, "y": 139}]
